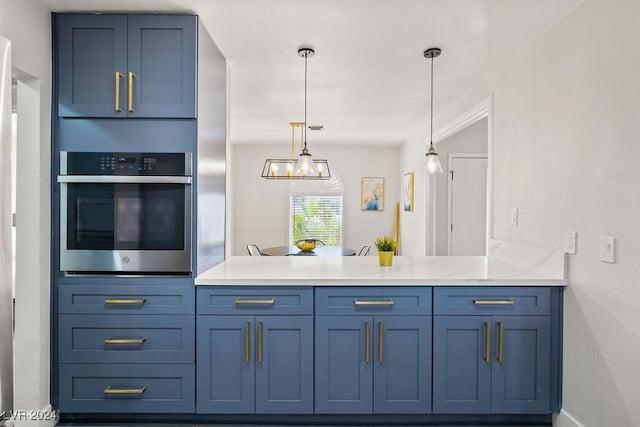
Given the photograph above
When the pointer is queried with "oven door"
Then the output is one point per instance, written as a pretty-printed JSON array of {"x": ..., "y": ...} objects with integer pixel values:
[{"x": 125, "y": 224}]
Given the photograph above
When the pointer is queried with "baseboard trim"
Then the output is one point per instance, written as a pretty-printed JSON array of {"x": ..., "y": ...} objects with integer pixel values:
[{"x": 565, "y": 419}]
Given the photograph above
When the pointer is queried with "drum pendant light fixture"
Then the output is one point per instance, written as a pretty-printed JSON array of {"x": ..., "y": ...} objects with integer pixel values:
[
  {"x": 305, "y": 167},
  {"x": 431, "y": 162}
]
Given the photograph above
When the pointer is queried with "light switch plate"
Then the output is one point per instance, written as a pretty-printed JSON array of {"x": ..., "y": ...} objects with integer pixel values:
[
  {"x": 608, "y": 249},
  {"x": 570, "y": 242},
  {"x": 514, "y": 217}
]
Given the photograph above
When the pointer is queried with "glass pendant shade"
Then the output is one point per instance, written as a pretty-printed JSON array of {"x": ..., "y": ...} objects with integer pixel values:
[
  {"x": 432, "y": 164},
  {"x": 305, "y": 166}
]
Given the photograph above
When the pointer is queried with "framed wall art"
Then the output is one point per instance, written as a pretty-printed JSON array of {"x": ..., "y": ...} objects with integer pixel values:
[
  {"x": 407, "y": 191},
  {"x": 372, "y": 193}
]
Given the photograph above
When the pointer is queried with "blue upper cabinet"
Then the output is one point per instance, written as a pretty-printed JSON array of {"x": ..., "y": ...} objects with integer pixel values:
[
  {"x": 127, "y": 66},
  {"x": 162, "y": 60},
  {"x": 92, "y": 63}
]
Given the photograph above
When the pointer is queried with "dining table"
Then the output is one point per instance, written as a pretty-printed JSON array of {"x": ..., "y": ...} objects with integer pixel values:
[{"x": 318, "y": 251}]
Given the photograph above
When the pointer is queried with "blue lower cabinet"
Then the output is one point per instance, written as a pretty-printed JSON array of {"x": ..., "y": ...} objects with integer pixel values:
[
  {"x": 225, "y": 359},
  {"x": 284, "y": 365},
  {"x": 126, "y": 388},
  {"x": 521, "y": 368},
  {"x": 491, "y": 364},
  {"x": 367, "y": 364},
  {"x": 402, "y": 358},
  {"x": 462, "y": 364},
  {"x": 344, "y": 365},
  {"x": 249, "y": 364}
]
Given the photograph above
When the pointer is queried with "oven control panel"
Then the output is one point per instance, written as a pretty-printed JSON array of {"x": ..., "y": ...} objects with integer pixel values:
[{"x": 130, "y": 164}]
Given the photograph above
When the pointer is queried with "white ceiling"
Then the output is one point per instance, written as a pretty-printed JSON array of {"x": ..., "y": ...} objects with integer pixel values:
[{"x": 368, "y": 82}]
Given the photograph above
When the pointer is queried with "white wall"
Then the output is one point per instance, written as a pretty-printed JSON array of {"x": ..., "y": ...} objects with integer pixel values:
[
  {"x": 27, "y": 25},
  {"x": 472, "y": 139},
  {"x": 566, "y": 144},
  {"x": 260, "y": 207}
]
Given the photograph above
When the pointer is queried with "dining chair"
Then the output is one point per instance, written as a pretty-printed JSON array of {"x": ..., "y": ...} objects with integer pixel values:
[
  {"x": 364, "y": 251},
  {"x": 254, "y": 250}
]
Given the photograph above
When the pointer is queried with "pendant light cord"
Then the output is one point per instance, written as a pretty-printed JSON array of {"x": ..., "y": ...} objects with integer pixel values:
[
  {"x": 431, "y": 125},
  {"x": 306, "y": 55}
]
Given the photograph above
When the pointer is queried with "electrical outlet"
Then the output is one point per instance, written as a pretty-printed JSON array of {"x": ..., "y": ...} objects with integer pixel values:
[
  {"x": 570, "y": 242},
  {"x": 608, "y": 249},
  {"x": 514, "y": 217}
]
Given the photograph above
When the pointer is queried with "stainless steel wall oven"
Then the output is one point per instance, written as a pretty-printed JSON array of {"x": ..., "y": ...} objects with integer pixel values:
[{"x": 125, "y": 212}]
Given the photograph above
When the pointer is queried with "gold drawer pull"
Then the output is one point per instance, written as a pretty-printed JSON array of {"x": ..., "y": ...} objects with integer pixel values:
[
  {"x": 256, "y": 301},
  {"x": 259, "y": 342},
  {"x": 380, "y": 342},
  {"x": 247, "y": 342},
  {"x": 358, "y": 302},
  {"x": 115, "y": 341},
  {"x": 366, "y": 342},
  {"x": 131, "y": 77},
  {"x": 116, "y": 301},
  {"x": 493, "y": 302},
  {"x": 117, "y": 101},
  {"x": 500, "y": 356},
  {"x": 110, "y": 390},
  {"x": 487, "y": 342}
]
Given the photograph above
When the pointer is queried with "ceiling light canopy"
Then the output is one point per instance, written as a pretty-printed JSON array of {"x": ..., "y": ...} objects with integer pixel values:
[
  {"x": 431, "y": 162},
  {"x": 305, "y": 167}
]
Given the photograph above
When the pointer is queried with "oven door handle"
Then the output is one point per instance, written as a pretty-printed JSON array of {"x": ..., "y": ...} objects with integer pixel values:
[{"x": 123, "y": 179}]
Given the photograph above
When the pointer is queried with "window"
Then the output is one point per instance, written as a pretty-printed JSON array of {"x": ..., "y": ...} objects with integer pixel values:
[{"x": 316, "y": 217}]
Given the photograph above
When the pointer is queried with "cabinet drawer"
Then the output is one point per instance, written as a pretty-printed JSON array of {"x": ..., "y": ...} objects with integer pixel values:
[
  {"x": 263, "y": 300},
  {"x": 127, "y": 388},
  {"x": 410, "y": 301},
  {"x": 491, "y": 300},
  {"x": 126, "y": 339},
  {"x": 126, "y": 299}
]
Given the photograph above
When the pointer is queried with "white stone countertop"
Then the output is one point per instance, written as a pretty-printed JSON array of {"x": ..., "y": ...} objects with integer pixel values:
[{"x": 499, "y": 270}]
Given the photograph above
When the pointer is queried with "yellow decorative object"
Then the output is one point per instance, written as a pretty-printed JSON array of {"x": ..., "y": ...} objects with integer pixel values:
[
  {"x": 307, "y": 245},
  {"x": 385, "y": 258}
]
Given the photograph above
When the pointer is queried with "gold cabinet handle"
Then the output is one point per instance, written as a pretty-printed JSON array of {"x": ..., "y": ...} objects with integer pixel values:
[
  {"x": 129, "y": 341},
  {"x": 247, "y": 341},
  {"x": 380, "y": 342},
  {"x": 487, "y": 342},
  {"x": 500, "y": 356},
  {"x": 366, "y": 342},
  {"x": 117, "y": 102},
  {"x": 117, "y": 301},
  {"x": 255, "y": 301},
  {"x": 131, "y": 77},
  {"x": 493, "y": 302},
  {"x": 359, "y": 302},
  {"x": 259, "y": 342},
  {"x": 111, "y": 390}
]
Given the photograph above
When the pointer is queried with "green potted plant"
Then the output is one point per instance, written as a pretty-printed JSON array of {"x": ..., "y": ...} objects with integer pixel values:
[{"x": 385, "y": 245}]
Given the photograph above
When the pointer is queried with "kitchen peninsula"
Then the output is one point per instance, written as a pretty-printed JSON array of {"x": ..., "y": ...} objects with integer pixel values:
[{"x": 439, "y": 339}]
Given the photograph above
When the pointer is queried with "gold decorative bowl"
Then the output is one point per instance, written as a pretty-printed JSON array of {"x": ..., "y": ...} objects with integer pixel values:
[{"x": 306, "y": 245}]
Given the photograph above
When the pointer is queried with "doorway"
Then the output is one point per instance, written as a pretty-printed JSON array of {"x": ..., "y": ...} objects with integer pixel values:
[{"x": 467, "y": 218}]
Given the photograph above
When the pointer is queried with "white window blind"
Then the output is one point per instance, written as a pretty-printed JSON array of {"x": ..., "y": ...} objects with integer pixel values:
[{"x": 316, "y": 217}]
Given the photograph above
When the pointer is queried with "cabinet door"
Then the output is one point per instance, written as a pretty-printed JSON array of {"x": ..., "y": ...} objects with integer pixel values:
[
  {"x": 461, "y": 364},
  {"x": 162, "y": 57},
  {"x": 225, "y": 364},
  {"x": 91, "y": 50},
  {"x": 402, "y": 356},
  {"x": 284, "y": 365},
  {"x": 344, "y": 364},
  {"x": 520, "y": 376}
]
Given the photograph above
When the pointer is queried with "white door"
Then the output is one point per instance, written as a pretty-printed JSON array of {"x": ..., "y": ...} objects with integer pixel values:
[{"x": 467, "y": 204}]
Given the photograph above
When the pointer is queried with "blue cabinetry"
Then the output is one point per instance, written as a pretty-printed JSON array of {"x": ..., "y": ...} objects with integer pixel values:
[
  {"x": 494, "y": 359},
  {"x": 127, "y": 66},
  {"x": 251, "y": 356},
  {"x": 117, "y": 353},
  {"x": 374, "y": 354}
]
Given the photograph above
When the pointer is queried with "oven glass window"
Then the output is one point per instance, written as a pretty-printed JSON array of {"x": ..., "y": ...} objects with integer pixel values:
[{"x": 126, "y": 216}]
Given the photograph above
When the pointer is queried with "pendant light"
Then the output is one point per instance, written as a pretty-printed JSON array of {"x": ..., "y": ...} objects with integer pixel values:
[
  {"x": 305, "y": 167},
  {"x": 431, "y": 162}
]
